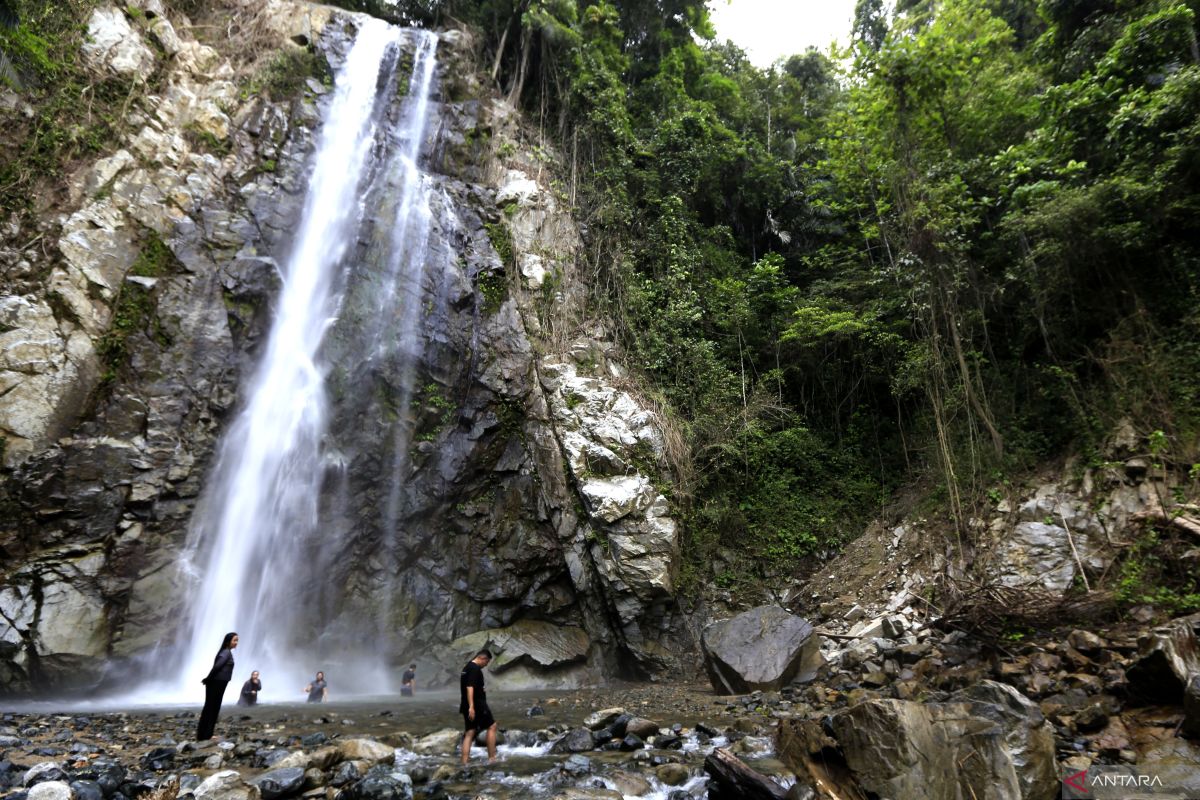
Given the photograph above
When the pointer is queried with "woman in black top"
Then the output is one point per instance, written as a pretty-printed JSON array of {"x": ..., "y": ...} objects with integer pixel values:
[
  {"x": 214, "y": 687},
  {"x": 250, "y": 690},
  {"x": 317, "y": 690}
]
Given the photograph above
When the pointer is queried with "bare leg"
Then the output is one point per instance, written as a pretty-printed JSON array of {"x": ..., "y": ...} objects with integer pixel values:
[
  {"x": 468, "y": 740},
  {"x": 491, "y": 744}
]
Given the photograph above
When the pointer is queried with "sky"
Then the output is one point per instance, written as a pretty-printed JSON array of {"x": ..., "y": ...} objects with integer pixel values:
[{"x": 768, "y": 29}]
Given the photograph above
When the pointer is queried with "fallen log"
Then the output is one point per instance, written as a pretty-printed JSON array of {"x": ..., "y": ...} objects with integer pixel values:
[
  {"x": 1180, "y": 521},
  {"x": 736, "y": 780}
]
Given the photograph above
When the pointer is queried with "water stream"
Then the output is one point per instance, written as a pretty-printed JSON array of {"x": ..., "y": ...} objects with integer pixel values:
[{"x": 255, "y": 540}]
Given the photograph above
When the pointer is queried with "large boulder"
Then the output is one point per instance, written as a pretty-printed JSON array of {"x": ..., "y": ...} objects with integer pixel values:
[
  {"x": 988, "y": 742},
  {"x": 765, "y": 648},
  {"x": 1168, "y": 669},
  {"x": 1168, "y": 657}
]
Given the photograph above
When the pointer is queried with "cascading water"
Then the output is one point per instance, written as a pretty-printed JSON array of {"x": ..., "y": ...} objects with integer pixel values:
[{"x": 256, "y": 538}]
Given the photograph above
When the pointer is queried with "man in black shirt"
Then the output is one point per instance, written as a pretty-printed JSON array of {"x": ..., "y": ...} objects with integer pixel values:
[
  {"x": 474, "y": 708},
  {"x": 408, "y": 681}
]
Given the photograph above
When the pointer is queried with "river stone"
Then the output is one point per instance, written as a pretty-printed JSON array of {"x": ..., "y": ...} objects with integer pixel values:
[
  {"x": 632, "y": 742},
  {"x": 577, "y": 765},
  {"x": 390, "y": 786},
  {"x": 280, "y": 782},
  {"x": 87, "y": 790},
  {"x": 45, "y": 771},
  {"x": 642, "y": 727},
  {"x": 765, "y": 648},
  {"x": 344, "y": 773},
  {"x": 578, "y": 740},
  {"x": 226, "y": 785},
  {"x": 988, "y": 742},
  {"x": 629, "y": 784},
  {"x": 367, "y": 750},
  {"x": 438, "y": 742},
  {"x": 579, "y": 793},
  {"x": 51, "y": 790},
  {"x": 672, "y": 774},
  {"x": 603, "y": 718},
  {"x": 105, "y": 772}
]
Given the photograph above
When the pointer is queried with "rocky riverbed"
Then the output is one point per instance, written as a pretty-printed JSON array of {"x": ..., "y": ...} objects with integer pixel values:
[
  {"x": 564, "y": 745},
  {"x": 885, "y": 716}
]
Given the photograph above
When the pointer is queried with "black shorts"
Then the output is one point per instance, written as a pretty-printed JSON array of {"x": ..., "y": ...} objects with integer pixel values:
[
  {"x": 406, "y": 691},
  {"x": 483, "y": 720}
]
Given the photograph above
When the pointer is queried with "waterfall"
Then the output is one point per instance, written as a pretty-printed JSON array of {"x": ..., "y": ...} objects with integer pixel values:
[{"x": 252, "y": 538}]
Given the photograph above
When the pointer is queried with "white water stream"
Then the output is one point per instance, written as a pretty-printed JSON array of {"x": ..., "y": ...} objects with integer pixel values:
[{"x": 252, "y": 537}]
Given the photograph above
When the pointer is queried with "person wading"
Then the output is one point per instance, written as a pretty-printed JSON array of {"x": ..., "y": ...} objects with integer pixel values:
[
  {"x": 214, "y": 687},
  {"x": 318, "y": 690},
  {"x": 250, "y": 690},
  {"x": 474, "y": 707}
]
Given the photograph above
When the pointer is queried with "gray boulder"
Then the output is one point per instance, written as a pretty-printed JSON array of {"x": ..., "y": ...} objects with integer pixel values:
[
  {"x": 765, "y": 648},
  {"x": 280, "y": 782},
  {"x": 988, "y": 742},
  {"x": 1168, "y": 657}
]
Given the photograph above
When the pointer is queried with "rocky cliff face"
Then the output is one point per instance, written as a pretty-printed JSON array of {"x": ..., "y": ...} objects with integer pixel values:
[{"x": 514, "y": 500}]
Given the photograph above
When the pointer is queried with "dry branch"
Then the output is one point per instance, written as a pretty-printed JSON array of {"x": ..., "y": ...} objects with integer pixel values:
[{"x": 989, "y": 611}]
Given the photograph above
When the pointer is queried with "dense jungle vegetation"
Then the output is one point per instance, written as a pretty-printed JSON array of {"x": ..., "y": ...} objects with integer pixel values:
[{"x": 961, "y": 247}]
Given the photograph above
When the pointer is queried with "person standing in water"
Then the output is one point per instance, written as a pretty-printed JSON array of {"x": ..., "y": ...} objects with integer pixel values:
[
  {"x": 473, "y": 706},
  {"x": 250, "y": 690},
  {"x": 214, "y": 687},
  {"x": 318, "y": 691},
  {"x": 408, "y": 681}
]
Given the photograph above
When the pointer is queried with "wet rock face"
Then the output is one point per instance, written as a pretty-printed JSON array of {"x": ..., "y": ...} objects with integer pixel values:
[{"x": 516, "y": 484}]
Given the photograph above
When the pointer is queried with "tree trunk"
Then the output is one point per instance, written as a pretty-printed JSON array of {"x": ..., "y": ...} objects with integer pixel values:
[{"x": 736, "y": 780}]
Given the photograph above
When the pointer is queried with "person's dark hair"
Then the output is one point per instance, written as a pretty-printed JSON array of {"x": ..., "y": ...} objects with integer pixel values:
[
  {"x": 486, "y": 653},
  {"x": 228, "y": 638},
  {"x": 412, "y": 666},
  {"x": 320, "y": 674}
]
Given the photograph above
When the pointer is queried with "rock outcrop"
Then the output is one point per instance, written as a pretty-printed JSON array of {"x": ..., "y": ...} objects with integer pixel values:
[
  {"x": 988, "y": 742},
  {"x": 528, "y": 490}
]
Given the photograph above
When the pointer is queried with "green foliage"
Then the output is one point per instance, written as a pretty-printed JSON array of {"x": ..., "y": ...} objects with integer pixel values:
[
  {"x": 155, "y": 258},
  {"x": 1151, "y": 573},
  {"x": 493, "y": 288},
  {"x": 501, "y": 239},
  {"x": 134, "y": 312},
  {"x": 75, "y": 114},
  {"x": 284, "y": 76}
]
